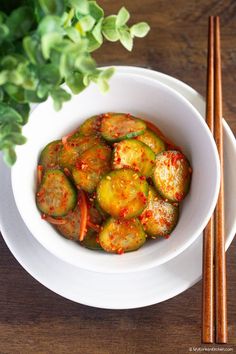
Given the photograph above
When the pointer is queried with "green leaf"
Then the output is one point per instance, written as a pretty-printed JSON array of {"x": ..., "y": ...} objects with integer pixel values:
[
  {"x": 93, "y": 44},
  {"x": 7, "y": 128},
  {"x": 103, "y": 85},
  {"x": 31, "y": 96},
  {"x": 14, "y": 138},
  {"x": 50, "y": 24},
  {"x": 9, "y": 62},
  {"x": 140, "y": 29},
  {"x": 87, "y": 23},
  {"x": 97, "y": 31},
  {"x": 3, "y": 77},
  {"x": 81, "y": 6},
  {"x": 15, "y": 92},
  {"x": 20, "y": 21},
  {"x": 126, "y": 39},
  {"x": 85, "y": 64},
  {"x": 109, "y": 29},
  {"x": 4, "y": 32},
  {"x": 122, "y": 17},
  {"x": 75, "y": 82},
  {"x": 8, "y": 114},
  {"x": 9, "y": 156},
  {"x": 107, "y": 73},
  {"x": 52, "y": 7},
  {"x": 22, "y": 108},
  {"x": 32, "y": 47},
  {"x": 49, "y": 40},
  {"x": 95, "y": 10},
  {"x": 1, "y": 94},
  {"x": 49, "y": 73},
  {"x": 59, "y": 96},
  {"x": 73, "y": 34}
]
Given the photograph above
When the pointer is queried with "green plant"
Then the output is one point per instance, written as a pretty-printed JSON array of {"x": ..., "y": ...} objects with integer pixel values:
[{"x": 44, "y": 43}]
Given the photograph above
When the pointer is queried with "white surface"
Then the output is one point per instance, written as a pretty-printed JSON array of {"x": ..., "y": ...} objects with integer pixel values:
[
  {"x": 119, "y": 291},
  {"x": 151, "y": 100}
]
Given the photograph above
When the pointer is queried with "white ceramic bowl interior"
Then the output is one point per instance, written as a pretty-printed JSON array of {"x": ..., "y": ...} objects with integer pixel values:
[{"x": 145, "y": 98}]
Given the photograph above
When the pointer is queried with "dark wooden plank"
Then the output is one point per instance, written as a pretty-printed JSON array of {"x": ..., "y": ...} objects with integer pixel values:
[{"x": 35, "y": 320}]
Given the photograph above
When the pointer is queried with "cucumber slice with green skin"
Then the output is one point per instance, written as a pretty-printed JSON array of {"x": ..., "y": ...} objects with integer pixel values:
[
  {"x": 56, "y": 195},
  {"x": 94, "y": 215},
  {"x": 103, "y": 214},
  {"x": 73, "y": 148},
  {"x": 153, "y": 141},
  {"x": 122, "y": 193},
  {"x": 71, "y": 229},
  {"x": 91, "y": 241},
  {"x": 159, "y": 218},
  {"x": 172, "y": 175},
  {"x": 135, "y": 155},
  {"x": 49, "y": 155},
  {"x": 118, "y": 236},
  {"x": 91, "y": 126},
  {"x": 91, "y": 166},
  {"x": 120, "y": 126}
]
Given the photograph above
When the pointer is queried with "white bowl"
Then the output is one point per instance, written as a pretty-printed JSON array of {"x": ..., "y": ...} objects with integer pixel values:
[{"x": 145, "y": 98}]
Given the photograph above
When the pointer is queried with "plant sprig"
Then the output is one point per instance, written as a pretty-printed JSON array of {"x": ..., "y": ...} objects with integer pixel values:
[{"x": 44, "y": 43}]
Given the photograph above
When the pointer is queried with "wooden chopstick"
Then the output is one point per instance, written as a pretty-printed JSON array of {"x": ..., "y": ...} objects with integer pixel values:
[
  {"x": 214, "y": 247},
  {"x": 208, "y": 238},
  {"x": 220, "y": 267}
]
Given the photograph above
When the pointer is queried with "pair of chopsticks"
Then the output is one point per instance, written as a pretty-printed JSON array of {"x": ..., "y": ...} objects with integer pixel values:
[{"x": 214, "y": 311}]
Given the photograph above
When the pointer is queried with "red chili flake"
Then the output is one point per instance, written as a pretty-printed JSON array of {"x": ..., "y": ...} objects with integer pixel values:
[
  {"x": 142, "y": 197},
  {"x": 120, "y": 251},
  {"x": 148, "y": 213},
  {"x": 123, "y": 212},
  {"x": 178, "y": 196},
  {"x": 176, "y": 158},
  {"x": 143, "y": 178},
  {"x": 167, "y": 236}
]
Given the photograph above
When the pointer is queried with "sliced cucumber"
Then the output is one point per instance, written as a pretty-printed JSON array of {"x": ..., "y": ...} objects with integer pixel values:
[
  {"x": 91, "y": 240},
  {"x": 71, "y": 229},
  {"x": 91, "y": 166},
  {"x": 159, "y": 218},
  {"x": 135, "y": 155},
  {"x": 118, "y": 236},
  {"x": 94, "y": 215},
  {"x": 103, "y": 214},
  {"x": 153, "y": 141},
  {"x": 56, "y": 195},
  {"x": 49, "y": 156},
  {"x": 73, "y": 148},
  {"x": 120, "y": 126},
  {"x": 91, "y": 126},
  {"x": 122, "y": 193},
  {"x": 172, "y": 175}
]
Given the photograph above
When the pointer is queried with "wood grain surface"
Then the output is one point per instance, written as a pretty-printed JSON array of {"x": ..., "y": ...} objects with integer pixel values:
[{"x": 34, "y": 319}]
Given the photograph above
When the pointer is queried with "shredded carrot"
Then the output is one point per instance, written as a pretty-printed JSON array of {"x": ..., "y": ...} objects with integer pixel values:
[
  {"x": 170, "y": 144},
  {"x": 84, "y": 214},
  {"x": 93, "y": 226},
  {"x": 39, "y": 174},
  {"x": 53, "y": 220}
]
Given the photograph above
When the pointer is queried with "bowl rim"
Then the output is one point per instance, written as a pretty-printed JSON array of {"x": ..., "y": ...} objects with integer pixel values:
[{"x": 154, "y": 262}]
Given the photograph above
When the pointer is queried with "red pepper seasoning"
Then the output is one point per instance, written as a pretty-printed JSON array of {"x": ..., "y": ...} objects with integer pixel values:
[{"x": 120, "y": 251}]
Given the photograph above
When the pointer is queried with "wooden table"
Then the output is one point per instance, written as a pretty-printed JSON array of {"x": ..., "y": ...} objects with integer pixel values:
[{"x": 34, "y": 319}]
